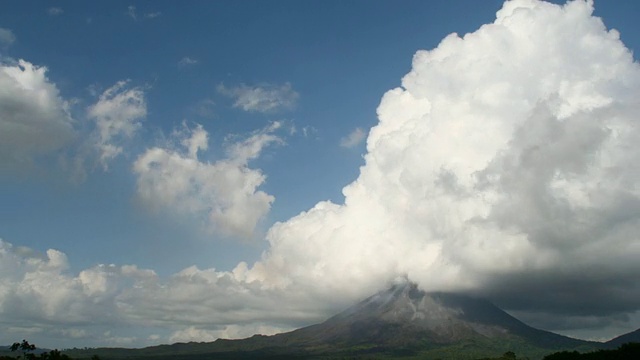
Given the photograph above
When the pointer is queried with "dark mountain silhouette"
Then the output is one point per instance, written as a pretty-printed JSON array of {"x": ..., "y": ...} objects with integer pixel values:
[{"x": 633, "y": 336}]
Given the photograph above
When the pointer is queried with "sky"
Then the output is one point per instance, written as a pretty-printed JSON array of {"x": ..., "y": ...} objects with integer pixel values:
[{"x": 200, "y": 170}]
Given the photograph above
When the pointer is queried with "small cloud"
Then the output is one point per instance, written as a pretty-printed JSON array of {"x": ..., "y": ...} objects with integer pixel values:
[
  {"x": 353, "y": 139},
  {"x": 187, "y": 61},
  {"x": 308, "y": 131},
  {"x": 204, "y": 108},
  {"x": 118, "y": 115},
  {"x": 131, "y": 12},
  {"x": 261, "y": 98},
  {"x": 30, "y": 129},
  {"x": 6, "y": 37},
  {"x": 55, "y": 11},
  {"x": 152, "y": 15},
  {"x": 292, "y": 129},
  {"x": 224, "y": 194}
]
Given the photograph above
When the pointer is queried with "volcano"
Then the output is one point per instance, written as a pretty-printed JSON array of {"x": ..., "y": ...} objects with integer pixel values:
[
  {"x": 402, "y": 321},
  {"x": 406, "y": 320}
]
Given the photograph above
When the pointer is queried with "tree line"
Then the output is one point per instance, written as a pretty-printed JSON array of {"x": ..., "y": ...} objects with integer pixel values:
[{"x": 26, "y": 351}]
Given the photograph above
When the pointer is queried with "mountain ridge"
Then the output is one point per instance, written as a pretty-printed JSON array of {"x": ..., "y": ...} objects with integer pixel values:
[
  {"x": 441, "y": 318},
  {"x": 401, "y": 321},
  {"x": 633, "y": 336}
]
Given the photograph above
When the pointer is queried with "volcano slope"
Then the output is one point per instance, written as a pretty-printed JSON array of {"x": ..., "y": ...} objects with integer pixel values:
[
  {"x": 404, "y": 320},
  {"x": 400, "y": 322}
]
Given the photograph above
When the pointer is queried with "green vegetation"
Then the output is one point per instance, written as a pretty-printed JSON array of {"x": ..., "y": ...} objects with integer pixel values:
[
  {"x": 228, "y": 349},
  {"x": 629, "y": 351},
  {"x": 28, "y": 353}
]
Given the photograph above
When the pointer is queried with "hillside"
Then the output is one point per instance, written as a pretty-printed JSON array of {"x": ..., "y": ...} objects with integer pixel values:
[{"x": 401, "y": 321}]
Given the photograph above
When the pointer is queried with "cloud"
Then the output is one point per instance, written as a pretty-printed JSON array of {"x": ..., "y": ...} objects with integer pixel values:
[
  {"x": 55, "y": 11},
  {"x": 193, "y": 334},
  {"x": 203, "y": 108},
  {"x": 232, "y": 331},
  {"x": 6, "y": 37},
  {"x": 261, "y": 98},
  {"x": 34, "y": 119},
  {"x": 187, "y": 61},
  {"x": 223, "y": 194},
  {"x": 131, "y": 12},
  {"x": 152, "y": 15},
  {"x": 72, "y": 309},
  {"x": 307, "y": 131},
  {"x": 505, "y": 164},
  {"x": 36, "y": 286},
  {"x": 353, "y": 139},
  {"x": 118, "y": 114},
  {"x": 59, "y": 304}
]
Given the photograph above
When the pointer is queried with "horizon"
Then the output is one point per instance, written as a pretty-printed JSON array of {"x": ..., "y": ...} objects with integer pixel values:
[
  {"x": 174, "y": 173},
  {"x": 399, "y": 281}
]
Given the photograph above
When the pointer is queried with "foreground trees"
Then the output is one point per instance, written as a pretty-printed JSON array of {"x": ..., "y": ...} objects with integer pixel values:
[
  {"x": 629, "y": 351},
  {"x": 28, "y": 352}
]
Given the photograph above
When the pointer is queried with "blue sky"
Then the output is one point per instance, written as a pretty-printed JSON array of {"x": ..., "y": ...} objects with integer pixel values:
[
  {"x": 339, "y": 57},
  {"x": 296, "y": 82}
]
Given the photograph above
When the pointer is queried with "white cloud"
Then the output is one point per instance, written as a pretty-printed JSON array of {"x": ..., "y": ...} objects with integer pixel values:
[
  {"x": 307, "y": 131},
  {"x": 261, "y": 98},
  {"x": 6, "y": 37},
  {"x": 36, "y": 286},
  {"x": 187, "y": 61},
  {"x": 199, "y": 305},
  {"x": 118, "y": 114},
  {"x": 232, "y": 331},
  {"x": 193, "y": 334},
  {"x": 131, "y": 12},
  {"x": 250, "y": 148},
  {"x": 152, "y": 15},
  {"x": 506, "y": 164},
  {"x": 353, "y": 139},
  {"x": 223, "y": 194},
  {"x": 33, "y": 117},
  {"x": 55, "y": 11},
  {"x": 204, "y": 108}
]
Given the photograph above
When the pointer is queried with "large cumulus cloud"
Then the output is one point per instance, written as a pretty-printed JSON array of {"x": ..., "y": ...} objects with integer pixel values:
[{"x": 507, "y": 157}]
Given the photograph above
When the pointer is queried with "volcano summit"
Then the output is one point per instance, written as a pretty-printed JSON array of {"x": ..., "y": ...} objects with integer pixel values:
[{"x": 398, "y": 322}]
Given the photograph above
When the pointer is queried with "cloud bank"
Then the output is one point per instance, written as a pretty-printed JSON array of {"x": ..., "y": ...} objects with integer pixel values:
[
  {"x": 505, "y": 165},
  {"x": 100, "y": 305}
]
